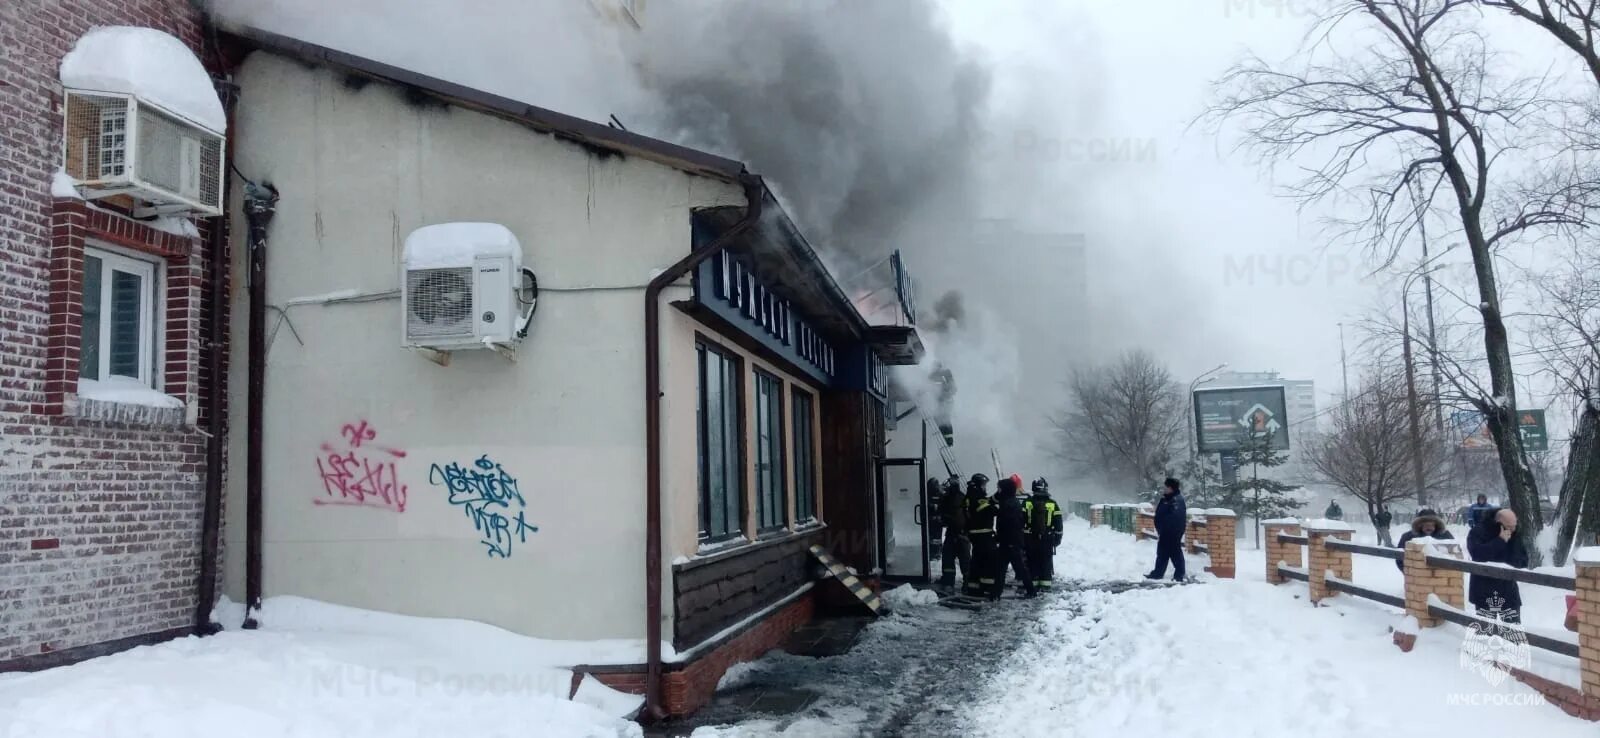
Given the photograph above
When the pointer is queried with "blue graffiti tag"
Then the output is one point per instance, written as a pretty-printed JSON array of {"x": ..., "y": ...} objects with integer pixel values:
[{"x": 483, "y": 491}]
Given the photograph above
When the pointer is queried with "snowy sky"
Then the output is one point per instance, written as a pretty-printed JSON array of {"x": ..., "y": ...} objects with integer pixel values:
[{"x": 1087, "y": 127}]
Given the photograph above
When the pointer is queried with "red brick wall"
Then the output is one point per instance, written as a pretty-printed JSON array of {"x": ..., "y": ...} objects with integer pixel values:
[
  {"x": 688, "y": 687},
  {"x": 99, "y": 502}
]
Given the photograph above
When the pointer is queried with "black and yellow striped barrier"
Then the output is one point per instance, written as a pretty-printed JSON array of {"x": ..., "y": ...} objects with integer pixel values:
[{"x": 850, "y": 581}]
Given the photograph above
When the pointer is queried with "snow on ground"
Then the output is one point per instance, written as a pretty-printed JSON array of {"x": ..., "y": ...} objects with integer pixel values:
[
  {"x": 317, "y": 670},
  {"x": 1236, "y": 657}
]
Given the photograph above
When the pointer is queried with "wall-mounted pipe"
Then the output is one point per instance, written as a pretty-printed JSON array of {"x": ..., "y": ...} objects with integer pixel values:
[
  {"x": 754, "y": 192},
  {"x": 216, "y": 421},
  {"x": 260, "y": 203}
]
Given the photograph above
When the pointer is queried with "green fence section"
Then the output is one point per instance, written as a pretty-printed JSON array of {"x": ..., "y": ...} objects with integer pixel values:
[{"x": 1079, "y": 509}]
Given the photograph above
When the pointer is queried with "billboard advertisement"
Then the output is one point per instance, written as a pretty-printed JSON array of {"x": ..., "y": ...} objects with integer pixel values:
[
  {"x": 1473, "y": 431},
  {"x": 1225, "y": 417}
]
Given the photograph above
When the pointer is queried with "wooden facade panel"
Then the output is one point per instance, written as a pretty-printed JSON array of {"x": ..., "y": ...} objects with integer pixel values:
[
  {"x": 852, "y": 444},
  {"x": 708, "y": 598}
]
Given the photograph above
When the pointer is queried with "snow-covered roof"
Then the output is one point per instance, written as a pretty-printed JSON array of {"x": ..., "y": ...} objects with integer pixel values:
[
  {"x": 446, "y": 245},
  {"x": 149, "y": 64}
]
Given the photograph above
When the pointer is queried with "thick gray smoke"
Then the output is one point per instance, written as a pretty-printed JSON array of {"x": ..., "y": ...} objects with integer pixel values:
[
  {"x": 878, "y": 126},
  {"x": 861, "y": 114}
]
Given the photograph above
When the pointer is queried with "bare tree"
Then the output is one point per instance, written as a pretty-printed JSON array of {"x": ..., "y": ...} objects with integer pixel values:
[
  {"x": 1122, "y": 422},
  {"x": 1413, "y": 124},
  {"x": 1568, "y": 333},
  {"x": 1370, "y": 452},
  {"x": 1573, "y": 23}
]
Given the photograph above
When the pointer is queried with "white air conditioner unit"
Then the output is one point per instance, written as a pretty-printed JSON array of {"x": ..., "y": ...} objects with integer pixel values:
[
  {"x": 464, "y": 287},
  {"x": 117, "y": 144}
]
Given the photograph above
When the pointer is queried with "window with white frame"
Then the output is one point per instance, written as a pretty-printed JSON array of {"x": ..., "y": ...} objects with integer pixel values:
[{"x": 119, "y": 318}]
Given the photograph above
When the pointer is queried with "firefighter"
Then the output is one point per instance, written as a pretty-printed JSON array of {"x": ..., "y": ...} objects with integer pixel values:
[
  {"x": 1010, "y": 540},
  {"x": 980, "y": 514},
  {"x": 953, "y": 510},
  {"x": 1044, "y": 521}
]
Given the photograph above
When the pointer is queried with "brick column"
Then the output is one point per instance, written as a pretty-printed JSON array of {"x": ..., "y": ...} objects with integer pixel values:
[
  {"x": 1588, "y": 566},
  {"x": 1423, "y": 581},
  {"x": 1324, "y": 559},
  {"x": 1281, "y": 552},
  {"x": 1220, "y": 531},
  {"x": 1194, "y": 532},
  {"x": 1144, "y": 520},
  {"x": 1097, "y": 515}
]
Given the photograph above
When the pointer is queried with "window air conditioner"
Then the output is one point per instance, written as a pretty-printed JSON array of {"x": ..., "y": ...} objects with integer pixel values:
[{"x": 117, "y": 144}]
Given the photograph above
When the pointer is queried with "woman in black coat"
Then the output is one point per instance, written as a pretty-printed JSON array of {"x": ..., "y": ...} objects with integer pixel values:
[
  {"x": 1495, "y": 540},
  {"x": 1427, "y": 524}
]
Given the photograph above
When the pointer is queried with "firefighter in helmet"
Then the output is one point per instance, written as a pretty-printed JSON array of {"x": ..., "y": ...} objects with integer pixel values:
[
  {"x": 980, "y": 535},
  {"x": 954, "y": 551},
  {"x": 1043, "y": 519}
]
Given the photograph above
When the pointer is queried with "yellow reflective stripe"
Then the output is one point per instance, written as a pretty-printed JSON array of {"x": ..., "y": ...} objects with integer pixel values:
[{"x": 982, "y": 530}]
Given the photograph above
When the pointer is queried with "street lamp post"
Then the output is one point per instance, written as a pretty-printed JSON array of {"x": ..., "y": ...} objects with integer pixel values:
[{"x": 1205, "y": 377}]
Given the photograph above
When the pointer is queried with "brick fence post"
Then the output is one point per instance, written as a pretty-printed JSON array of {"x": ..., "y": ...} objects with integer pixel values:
[
  {"x": 1423, "y": 581},
  {"x": 1288, "y": 554},
  {"x": 1324, "y": 559},
  {"x": 1588, "y": 567},
  {"x": 1221, "y": 532},
  {"x": 1097, "y": 516},
  {"x": 1194, "y": 532},
  {"x": 1145, "y": 520}
]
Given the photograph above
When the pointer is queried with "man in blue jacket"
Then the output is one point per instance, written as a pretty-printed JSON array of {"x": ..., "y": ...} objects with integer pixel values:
[
  {"x": 1475, "y": 513},
  {"x": 1172, "y": 516}
]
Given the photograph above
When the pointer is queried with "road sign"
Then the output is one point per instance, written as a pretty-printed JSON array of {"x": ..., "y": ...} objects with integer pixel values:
[
  {"x": 1226, "y": 417},
  {"x": 1534, "y": 436},
  {"x": 1473, "y": 431}
]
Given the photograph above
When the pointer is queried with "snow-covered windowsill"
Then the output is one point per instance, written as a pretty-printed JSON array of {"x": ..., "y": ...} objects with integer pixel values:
[{"x": 122, "y": 400}]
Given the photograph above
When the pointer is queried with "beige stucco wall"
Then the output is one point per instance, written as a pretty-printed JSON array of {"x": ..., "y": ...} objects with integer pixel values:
[{"x": 359, "y": 170}]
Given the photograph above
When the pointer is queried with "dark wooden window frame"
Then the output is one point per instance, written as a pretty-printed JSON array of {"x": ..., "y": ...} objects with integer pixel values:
[
  {"x": 805, "y": 463},
  {"x": 704, "y": 348},
  {"x": 765, "y": 496}
]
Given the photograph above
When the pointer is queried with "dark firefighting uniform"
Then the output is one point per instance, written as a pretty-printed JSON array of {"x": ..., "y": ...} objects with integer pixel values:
[
  {"x": 953, "y": 509},
  {"x": 1010, "y": 540},
  {"x": 980, "y": 535},
  {"x": 1043, "y": 534}
]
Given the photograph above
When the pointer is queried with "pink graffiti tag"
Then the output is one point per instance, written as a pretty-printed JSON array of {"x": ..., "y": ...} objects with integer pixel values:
[
  {"x": 352, "y": 477},
  {"x": 357, "y": 434}
]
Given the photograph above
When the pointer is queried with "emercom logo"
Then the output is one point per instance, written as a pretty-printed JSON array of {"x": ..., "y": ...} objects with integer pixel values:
[{"x": 1491, "y": 646}]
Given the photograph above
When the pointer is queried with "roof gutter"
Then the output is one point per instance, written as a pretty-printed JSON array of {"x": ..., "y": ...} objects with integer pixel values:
[{"x": 755, "y": 193}]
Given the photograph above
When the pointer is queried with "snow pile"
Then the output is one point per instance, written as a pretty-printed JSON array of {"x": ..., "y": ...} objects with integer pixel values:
[
  {"x": 446, "y": 634},
  {"x": 1241, "y": 658},
  {"x": 447, "y": 245},
  {"x": 174, "y": 225},
  {"x": 1326, "y": 524},
  {"x": 1094, "y": 555},
  {"x": 1588, "y": 556},
  {"x": 125, "y": 391},
  {"x": 64, "y": 187},
  {"x": 906, "y": 596},
  {"x": 148, "y": 64},
  {"x": 318, "y": 670}
]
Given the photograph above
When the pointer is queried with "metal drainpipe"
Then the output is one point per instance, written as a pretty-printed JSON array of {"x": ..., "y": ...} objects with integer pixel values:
[
  {"x": 260, "y": 203},
  {"x": 216, "y": 425},
  {"x": 754, "y": 192}
]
